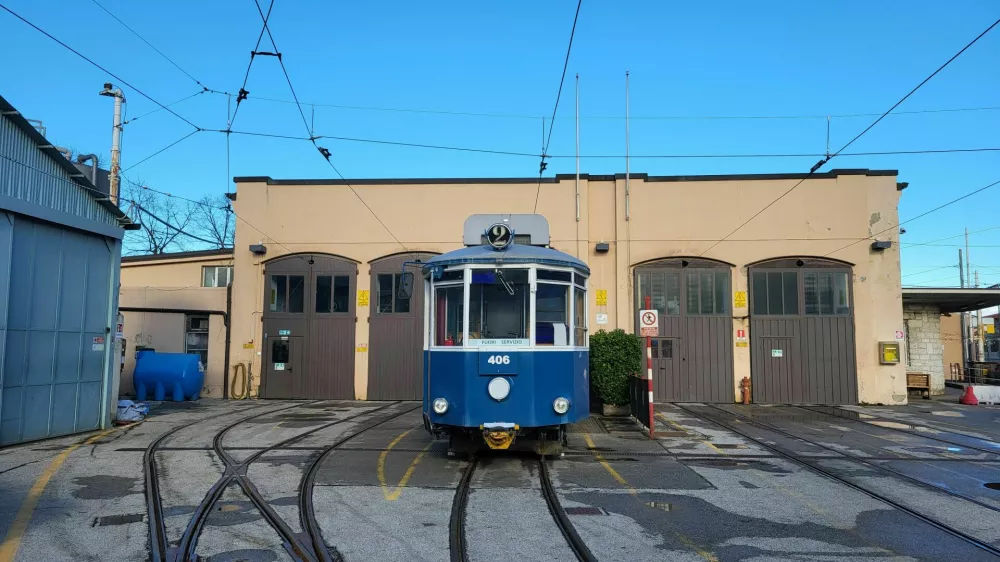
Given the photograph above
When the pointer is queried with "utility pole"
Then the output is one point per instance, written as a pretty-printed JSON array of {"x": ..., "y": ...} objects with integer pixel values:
[
  {"x": 968, "y": 283},
  {"x": 628, "y": 214},
  {"x": 116, "y": 138},
  {"x": 961, "y": 282},
  {"x": 979, "y": 327}
]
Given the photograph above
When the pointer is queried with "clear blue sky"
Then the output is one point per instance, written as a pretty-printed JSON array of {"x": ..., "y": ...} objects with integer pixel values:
[{"x": 686, "y": 59}]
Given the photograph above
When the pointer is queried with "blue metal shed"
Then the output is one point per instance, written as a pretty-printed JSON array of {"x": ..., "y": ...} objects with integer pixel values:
[{"x": 60, "y": 251}]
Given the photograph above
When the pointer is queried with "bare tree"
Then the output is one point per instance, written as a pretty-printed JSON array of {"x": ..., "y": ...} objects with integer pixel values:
[
  {"x": 162, "y": 221},
  {"x": 214, "y": 219}
]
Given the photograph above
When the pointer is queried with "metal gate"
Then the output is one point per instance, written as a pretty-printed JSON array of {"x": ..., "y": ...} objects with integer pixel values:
[
  {"x": 309, "y": 327},
  {"x": 53, "y": 355},
  {"x": 396, "y": 332},
  {"x": 802, "y": 332},
  {"x": 693, "y": 357}
]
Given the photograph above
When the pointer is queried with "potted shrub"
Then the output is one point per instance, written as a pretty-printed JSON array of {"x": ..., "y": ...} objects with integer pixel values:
[{"x": 614, "y": 356}]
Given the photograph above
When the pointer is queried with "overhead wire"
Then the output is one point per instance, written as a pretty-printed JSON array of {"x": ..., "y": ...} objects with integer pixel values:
[
  {"x": 151, "y": 46},
  {"x": 243, "y": 93},
  {"x": 931, "y": 242},
  {"x": 555, "y": 108},
  {"x": 929, "y": 270},
  {"x": 823, "y": 161},
  {"x": 165, "y": 148},
  {"x": 105, "y": 70},
  {"x": 323, "y": 151},
  {"x": 158, "y": 109}
]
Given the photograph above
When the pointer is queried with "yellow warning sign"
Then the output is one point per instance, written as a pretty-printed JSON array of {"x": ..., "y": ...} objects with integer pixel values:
[
  {"x": 362, "y": 348},
  {"x": 740, "y": 299},
  {"x": 602, "y": 297},
  {"x": 741, "y": 344},
  {"x": 362, "y": 298},
  {"x": 248, "y": 345}
]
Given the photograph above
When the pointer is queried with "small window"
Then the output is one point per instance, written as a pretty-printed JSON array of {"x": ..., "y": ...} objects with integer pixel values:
[
  {"x": 401, "y": 305},
  {"x": 341, "y": 293},
  {"x": 453, "y": 275},
  {"x": 663, "y": 290},
  {"x": 579, "y": 317},
  {"x": 279, "y": 352},
  {"x": 324, "y": 292},
  {"x": 196, "y": 338},
  {"x": 667, "y": 349},
  {"x": 775, "y": 293},
  {"x": 216, "y": 275},
  {"x": 552, "y": 314},
  {"x": 826, "y": 293},
  {"x": 279, "y": 288},
  {"x": 448, "y": 314},
  {"x": 707, "y": 292},
  {"x": 385, "y": 296},
  {"x": 546, "y": 275},
  {"x": 296, "y": 294}
]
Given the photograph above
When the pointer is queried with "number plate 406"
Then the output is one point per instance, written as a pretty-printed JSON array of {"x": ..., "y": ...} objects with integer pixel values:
[{"x": 493, "y": 363}]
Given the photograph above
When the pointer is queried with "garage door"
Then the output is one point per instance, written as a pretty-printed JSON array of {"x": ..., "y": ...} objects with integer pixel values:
[
  {"x": 693, "y": 357},
  {"x": 396, "y": 340},
  {"x": 309, "y": 324},
  {"x": 802, "y": 333},
  {"x": 54, "y": 329}
]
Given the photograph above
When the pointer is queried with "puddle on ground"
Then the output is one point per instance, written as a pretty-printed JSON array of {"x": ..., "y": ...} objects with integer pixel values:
[{"x": 659, "y": 505}]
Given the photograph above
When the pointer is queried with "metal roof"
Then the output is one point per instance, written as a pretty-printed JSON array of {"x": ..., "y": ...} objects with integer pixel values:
[
  {"x": 220, "y": 253},
  {"x": 952, "y": 299},
  {"x": 8, "y": 111},
  {"x": 513, "y": 254}
]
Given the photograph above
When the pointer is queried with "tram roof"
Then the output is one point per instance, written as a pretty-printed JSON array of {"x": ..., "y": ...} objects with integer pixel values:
[{"x": 513, "y": 254}]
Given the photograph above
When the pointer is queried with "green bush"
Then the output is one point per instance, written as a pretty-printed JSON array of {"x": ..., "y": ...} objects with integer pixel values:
[{"x": 614, "y": 356}]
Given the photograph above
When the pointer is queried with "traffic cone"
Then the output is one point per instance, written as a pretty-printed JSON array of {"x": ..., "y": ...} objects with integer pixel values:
[{"x": 969, "y": 398}]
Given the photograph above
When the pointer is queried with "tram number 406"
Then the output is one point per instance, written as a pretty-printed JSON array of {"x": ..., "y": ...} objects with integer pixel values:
[{"x": 499, "y": 360}]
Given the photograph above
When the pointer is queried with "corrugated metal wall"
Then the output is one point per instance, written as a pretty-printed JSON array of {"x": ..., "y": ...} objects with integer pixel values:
[
  {"x": 55, "y": 328},
  {"x": 34, "y": 177}
]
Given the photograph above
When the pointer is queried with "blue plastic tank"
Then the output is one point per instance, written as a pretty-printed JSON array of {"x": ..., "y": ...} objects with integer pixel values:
[{"x": 168, "y": 376}]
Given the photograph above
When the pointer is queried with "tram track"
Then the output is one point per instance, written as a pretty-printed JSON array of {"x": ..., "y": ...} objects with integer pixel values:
[
  {"x": 160, "y": 550},
  {"x": 458, "y": 546},
  {"x": 820, "y": 410},
  {"x": 307, "y": 510},
  {"x": 298, "y": 546},
  {"x": 809, "y": 464}
]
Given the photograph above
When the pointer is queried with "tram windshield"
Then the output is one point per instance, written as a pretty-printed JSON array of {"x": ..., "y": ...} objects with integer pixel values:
[{"x": 499, "y": 307}]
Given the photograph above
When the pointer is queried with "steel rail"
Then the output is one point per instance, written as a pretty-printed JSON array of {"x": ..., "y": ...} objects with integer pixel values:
[
  {"x": 566, "y": 527},
  {"x": 456, "y": 524}
]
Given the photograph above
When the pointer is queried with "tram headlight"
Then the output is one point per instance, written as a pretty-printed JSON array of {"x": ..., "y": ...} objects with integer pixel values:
[
  {"x": 561, "y": 405},
  {"x": 440, "y": 406},
  {"x": 498, "y": 388}
]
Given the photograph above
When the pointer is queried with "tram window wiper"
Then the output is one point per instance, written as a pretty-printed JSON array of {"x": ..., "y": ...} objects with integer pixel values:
[{"x": 506, "y": 285}]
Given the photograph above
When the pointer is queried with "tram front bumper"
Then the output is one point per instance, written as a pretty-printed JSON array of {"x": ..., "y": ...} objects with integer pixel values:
[{"x": 499, "y": 435}]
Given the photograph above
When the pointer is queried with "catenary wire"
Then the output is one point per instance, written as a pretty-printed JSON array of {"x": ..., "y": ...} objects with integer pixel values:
[
  {"x": 105, "y": 70},
  {"x": 323, "y": 151},
  {"x": 823, "y": 161},
  {"x": 243, "y": 93},
  {"x": 932, "y": 242},
  {"x": 928, "y": 270},
  {"x": 150, "y": 45},
  {"x": 168, "y": 225},
  {"x": 164, "y": 149},
  {"x": 134, "y": 119},
  {"x": 555, "y": 108}
]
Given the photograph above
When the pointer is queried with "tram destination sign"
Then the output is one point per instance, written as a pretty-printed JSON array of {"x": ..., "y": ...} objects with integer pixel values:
[{"x": 649, "y": 323}]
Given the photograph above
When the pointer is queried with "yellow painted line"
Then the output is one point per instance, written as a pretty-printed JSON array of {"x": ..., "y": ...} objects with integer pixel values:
[
  {"x": 393, "y": 494},
  {"x": 682, "y": 428},
  {"x": 607, "y": 466},
  {"x": 12, "y": 542},
  {"x": 707, "y": 556}
]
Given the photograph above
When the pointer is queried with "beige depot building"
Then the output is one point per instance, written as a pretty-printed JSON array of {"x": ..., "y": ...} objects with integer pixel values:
[{"x": 805, "y": 300}]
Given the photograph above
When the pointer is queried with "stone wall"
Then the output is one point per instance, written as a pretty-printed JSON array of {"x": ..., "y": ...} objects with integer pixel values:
[{"x": 924, "y": 351}]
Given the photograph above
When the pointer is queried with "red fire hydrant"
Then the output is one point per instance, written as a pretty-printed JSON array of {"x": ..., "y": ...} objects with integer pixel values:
[{"x": 745, "y": 389}]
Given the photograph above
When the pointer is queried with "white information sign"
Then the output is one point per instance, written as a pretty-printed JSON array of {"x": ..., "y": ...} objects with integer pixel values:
[
  {"x": 602, "y": 318},
  {"x": 777, "y": 353},
  {"x": 649, "y": 323}
]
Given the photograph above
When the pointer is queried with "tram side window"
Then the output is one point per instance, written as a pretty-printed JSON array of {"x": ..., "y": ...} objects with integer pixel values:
[
  {"x": 579, "y": 317},
  {"x": 498, "y": 304},
  {"x": 448, "y": 315},
  {"x": 552, "y": 314}
]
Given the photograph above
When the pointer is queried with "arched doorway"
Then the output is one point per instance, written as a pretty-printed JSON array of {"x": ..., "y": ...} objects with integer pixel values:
[
  {"x": 802, "y": 348},
  {"x": 693, "y": 357},
  {"x": 396, "y": 331},
  {"x": 309, "y": 323}
]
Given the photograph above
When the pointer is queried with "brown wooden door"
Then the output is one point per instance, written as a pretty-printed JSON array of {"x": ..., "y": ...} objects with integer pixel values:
[
  {"x": 692, "y": 297},
  {"x": 396, "y": 338},
  {"x": 309, "y": 302}
]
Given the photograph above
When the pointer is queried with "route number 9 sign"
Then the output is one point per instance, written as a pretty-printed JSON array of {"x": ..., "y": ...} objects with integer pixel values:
[{"x": 649, "y": 323}]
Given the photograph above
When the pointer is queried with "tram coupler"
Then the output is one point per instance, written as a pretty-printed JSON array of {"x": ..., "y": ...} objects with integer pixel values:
[{"x": 500, "y": 435}]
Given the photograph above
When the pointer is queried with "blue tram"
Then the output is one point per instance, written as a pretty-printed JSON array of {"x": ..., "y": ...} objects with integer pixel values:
[{"x": 505, "y": 341}]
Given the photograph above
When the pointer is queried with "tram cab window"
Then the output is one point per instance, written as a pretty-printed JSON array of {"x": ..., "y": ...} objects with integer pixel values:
[
  {"x": 448, "y": 313},
  {"x": 498, "y": 305},
  {"x": 552, "y": 314}
]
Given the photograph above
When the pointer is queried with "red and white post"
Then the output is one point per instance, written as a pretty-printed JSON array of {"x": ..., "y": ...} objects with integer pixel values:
[{"x": 649, "y": 379}]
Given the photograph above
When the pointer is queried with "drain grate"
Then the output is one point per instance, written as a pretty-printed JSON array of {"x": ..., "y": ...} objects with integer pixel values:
[
  {"x": 585, "y": 511},
  {"x": 992, "y": 485},
  {"x": 109, "y": 520}
]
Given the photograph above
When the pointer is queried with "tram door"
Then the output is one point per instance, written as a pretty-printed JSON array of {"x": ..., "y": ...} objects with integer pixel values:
[{"x": 692, "y": 358}]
